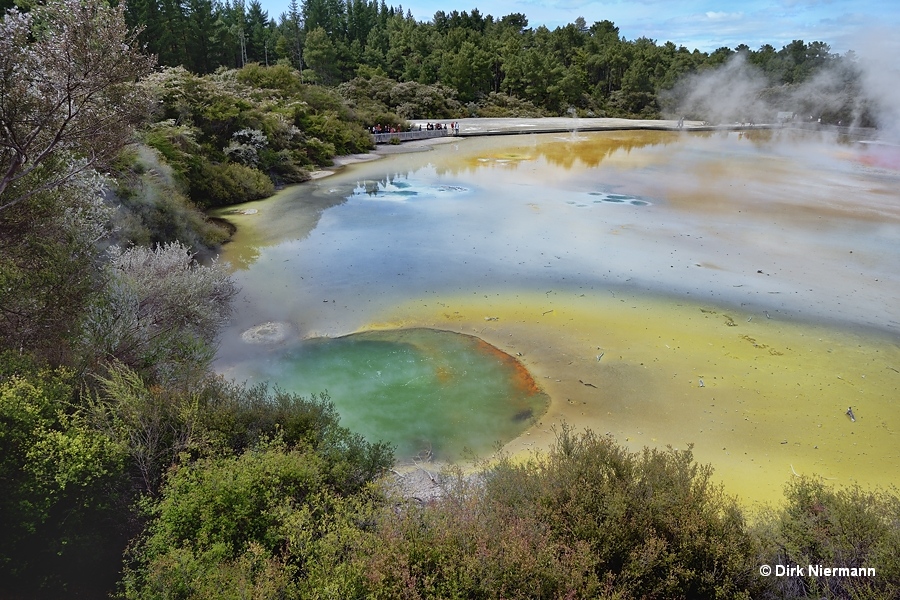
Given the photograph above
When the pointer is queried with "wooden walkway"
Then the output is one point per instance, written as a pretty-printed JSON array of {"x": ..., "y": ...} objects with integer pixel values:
[
  {"x": 408, "y": 136},
  {"x": 508, "y": 126}
]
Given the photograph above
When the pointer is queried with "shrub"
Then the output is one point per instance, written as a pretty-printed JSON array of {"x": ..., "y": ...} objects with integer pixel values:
[
  {"x": 261, "y": 521},
  {"x": 49, "y": 260},
  {"x": 230, "y": 183},
  {"x": 380, "y": 96},
  {"x": 502, "y": 105},
  {"x": 222, "y": 516},
  {"x": 831, "y": 527},
  {"x": 654, "y": 522},
  {"x": 282, "y": 78},
  {"x": 150, "y": 208},
  {"x": 178, "y": 145},
  {"x": 60, "y": 477},
  {"x": 238, "y": 417},
  {"x": 159, "y": 314},
  {"x": 588, "y": 519}
]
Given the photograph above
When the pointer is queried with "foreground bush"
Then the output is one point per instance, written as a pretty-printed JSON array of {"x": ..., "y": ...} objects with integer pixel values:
[
  {"x": 849, "y": 527},
  {"x": 61, "y": 531},
  {"x": 587, "y": 519},
  {"x": 256, "y": 523},
  {"x": 226, "y": 510}
]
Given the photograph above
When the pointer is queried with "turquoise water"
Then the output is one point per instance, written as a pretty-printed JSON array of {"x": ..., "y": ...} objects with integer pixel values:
[{"x": 433, "y": 394}]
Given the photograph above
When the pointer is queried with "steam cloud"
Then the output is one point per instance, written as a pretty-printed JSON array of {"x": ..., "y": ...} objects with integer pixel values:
[
  {"x": 878, "y": 50},
  {"x": 858, "y": 89}
]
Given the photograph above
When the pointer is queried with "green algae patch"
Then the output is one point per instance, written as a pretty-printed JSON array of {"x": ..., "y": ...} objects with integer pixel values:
[{"x": 433, "y": 394}]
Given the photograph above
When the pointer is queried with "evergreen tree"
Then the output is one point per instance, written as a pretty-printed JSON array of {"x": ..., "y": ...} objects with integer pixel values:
[
  {"x": 202, "y": 34},
  {"x": 260, "y": 35},
  {"x": 290, "y": 36}
]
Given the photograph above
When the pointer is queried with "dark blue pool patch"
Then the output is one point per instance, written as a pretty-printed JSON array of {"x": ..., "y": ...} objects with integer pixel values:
[{"x": 607, "y": 198}]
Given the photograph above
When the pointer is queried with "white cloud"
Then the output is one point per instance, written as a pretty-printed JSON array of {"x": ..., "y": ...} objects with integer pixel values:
[{"x": 724, "y": 16}]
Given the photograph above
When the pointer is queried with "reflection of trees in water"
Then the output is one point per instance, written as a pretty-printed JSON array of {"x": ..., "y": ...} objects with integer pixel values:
[
  {"x": 371, "y": 187},
  {"x": 291, "y": 215},
  {"x": 594, "y": 150},
  {"x": 588, "y": 149},
  {"x": 245, "y": 258}
]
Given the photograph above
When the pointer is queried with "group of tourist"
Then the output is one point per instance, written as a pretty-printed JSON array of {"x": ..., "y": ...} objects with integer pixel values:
[
  {"x": 379, "y": 129},
  {"x": 452, "y": 127}
]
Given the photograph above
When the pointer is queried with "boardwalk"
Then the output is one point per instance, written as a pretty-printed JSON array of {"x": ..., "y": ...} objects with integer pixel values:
[
  {"x": 510, "y": 126},
  {"x": 406, "y": 136}
]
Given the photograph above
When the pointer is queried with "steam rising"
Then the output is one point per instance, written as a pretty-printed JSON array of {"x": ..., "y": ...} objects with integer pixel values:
[
  {"x": 880, "y": 78},
  {"x": 858, "y": 89},
  {"x": 733, "y": 92}
]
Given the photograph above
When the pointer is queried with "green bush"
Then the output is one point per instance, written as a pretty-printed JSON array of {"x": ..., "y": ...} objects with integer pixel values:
[
  {"x": 284, "y": 166},
  {"x": 150, "y": 208},
  {"x": 835, "y": 527},
  {"x": 218, "y": 511},
  {"x": 178, "y": 145},
  {"x": 587, "y": 519},
  {"x": 237, "y": 417},
  {"x": 49, "y": 265},
  {"x": 59, "y": 510},
  {"x": 655, "y": 524},
  {"x": 258, "y": 523},
  {"x": 380, "y": 98},
  {"x": 496, "y": 105},
  {"x": 230, "y": 183},
  {"x": 282, "y": 78}
]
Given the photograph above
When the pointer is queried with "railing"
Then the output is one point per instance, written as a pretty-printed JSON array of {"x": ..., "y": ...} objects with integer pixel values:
[{"x": 406, "y": 136}]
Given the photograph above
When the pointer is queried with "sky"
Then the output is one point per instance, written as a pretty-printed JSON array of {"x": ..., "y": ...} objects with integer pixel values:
[{"x": 696, "y": 24}]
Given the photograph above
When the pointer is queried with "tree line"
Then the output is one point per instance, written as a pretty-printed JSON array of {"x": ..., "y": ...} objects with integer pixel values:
[{"x": 589, "y": 68}]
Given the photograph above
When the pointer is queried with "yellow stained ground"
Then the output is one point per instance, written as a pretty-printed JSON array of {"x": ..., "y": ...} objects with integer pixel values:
[{"x": 772, "y": 403}]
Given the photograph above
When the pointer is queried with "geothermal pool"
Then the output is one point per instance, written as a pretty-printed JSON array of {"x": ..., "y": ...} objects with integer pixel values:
[{"x": 731, "y": 291}]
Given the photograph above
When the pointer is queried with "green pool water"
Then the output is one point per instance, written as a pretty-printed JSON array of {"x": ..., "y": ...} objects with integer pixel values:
[{"x": 433, "y": 394}]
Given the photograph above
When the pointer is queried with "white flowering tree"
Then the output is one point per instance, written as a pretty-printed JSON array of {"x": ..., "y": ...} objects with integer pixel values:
[
  {"x": 246, "y": 145},
  {"x": 161, "y": 313},
  {"x": 68, "y": 100},
  {"x": 68, "y": 93}
]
